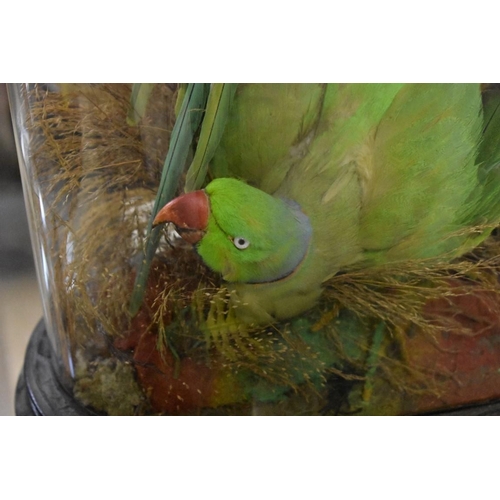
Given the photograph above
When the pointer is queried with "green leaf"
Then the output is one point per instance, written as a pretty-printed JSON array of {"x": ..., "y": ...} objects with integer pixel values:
[{"x": 186, "y": 125}]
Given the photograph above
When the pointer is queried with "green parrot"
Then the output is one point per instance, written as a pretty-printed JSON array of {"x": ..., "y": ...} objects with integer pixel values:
[{"x": 309, "y": 180}]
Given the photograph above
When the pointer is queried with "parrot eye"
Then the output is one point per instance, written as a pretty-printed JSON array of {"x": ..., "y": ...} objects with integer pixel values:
[{"x": 241, "y": 243}]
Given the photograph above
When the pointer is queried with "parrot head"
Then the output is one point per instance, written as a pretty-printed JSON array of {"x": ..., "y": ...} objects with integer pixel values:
[{"x": 241, "y": 232}]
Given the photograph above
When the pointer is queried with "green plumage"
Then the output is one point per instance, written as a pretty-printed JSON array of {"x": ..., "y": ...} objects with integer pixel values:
[
  {"x": 323, "y": 178},
  {"x": 385, "y": 172}
]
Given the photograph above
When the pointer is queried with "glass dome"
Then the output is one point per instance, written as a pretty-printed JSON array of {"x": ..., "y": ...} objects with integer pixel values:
[{"x": 266, "y": 249}]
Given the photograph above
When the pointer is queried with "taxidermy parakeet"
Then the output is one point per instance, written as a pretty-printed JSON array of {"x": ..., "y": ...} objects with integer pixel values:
[{"x": 309, "y": 180}]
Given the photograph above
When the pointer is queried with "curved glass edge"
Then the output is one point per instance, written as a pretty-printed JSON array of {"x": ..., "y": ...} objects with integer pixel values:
[{"x": 20, "y": 111}]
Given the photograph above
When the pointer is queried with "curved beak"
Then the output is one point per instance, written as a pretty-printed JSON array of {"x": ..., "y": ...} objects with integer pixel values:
[{"x": 189, "y": 213}]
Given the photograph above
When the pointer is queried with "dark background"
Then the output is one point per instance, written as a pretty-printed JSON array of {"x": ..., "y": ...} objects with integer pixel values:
[
  {"x": 15, "y": 248},
  {"x": 20, "y": 304}
]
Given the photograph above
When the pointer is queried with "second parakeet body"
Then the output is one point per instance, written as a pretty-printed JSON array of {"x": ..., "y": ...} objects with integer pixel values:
[{"x": 312, "y": 180}]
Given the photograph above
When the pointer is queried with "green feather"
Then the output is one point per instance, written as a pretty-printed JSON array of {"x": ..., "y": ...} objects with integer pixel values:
[
  {"x": 214, "y": 122},
  {"x": 485, "y": 201},
  {"x": 423, "y": 172},
  {"x": 264, "y": 123}
]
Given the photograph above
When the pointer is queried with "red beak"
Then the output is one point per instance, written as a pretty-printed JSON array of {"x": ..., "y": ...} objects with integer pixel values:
[{"x": 189, "y": 214}]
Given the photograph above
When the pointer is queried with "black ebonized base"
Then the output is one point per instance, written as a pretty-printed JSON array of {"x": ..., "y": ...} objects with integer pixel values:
[{"x": 39, "y": 392}]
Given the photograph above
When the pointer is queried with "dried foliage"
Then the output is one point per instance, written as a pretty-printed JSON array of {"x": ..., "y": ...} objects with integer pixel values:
[{"x": 96, "y": 179}]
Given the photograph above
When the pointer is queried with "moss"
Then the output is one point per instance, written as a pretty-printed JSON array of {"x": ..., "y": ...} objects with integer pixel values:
[{"x": 109, "y": 386}]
